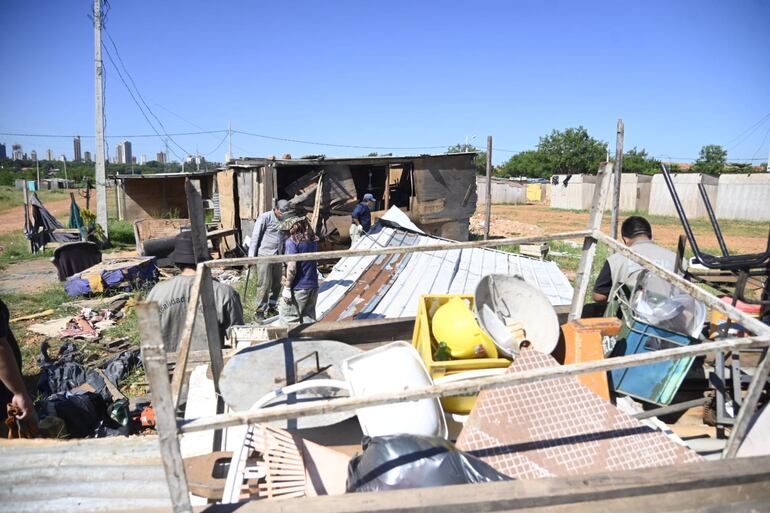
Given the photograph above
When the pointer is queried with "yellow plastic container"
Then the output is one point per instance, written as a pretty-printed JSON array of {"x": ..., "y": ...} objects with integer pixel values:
[
  {"x": 454, "y": 324},
  {"x": 426, "y": 344}
]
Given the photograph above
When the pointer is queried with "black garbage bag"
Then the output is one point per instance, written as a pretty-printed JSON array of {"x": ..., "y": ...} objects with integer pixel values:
[
  {"x": 410, "y": 461},
  {"x": 66, "y": 372},
  {"x": 82, "y": 413},
  {"x": 119, "y": 366}
]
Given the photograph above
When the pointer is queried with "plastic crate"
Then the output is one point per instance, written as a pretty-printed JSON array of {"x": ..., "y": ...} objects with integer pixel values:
[{"x": 423, "y": 341}]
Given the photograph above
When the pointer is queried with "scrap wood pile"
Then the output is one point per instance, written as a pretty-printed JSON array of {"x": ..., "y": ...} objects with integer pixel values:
[{"x": 569, "y": 426}]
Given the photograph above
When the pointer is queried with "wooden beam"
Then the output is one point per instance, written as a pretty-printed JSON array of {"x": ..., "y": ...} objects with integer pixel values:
[
  {"x": 386, "y": 194},
  {"x": 589, "y": 243},
  {"x": 154, "y": 361},
  {"x": 183, "y": 349},
  {"x": 197, "y": 219},
  {"x": 212, "y": 324},
  {"x": 700, "y": 486},
  {"x": 467, "y": 387},
  {"x": 357, "y": 332},
  {"x": 317, "y": 203},
  {"x": 394, "y": 250}
]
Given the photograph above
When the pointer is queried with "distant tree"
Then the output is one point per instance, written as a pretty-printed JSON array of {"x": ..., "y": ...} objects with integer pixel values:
[
  {"x": 572, "y": 151},
  {"x": 372, "y": 154},
  {"x": 712, "y": 160},
  {"x": 530, "y": 163},
  {"x": 481, "y": 156},
  {"x": 637, "y": 161}
]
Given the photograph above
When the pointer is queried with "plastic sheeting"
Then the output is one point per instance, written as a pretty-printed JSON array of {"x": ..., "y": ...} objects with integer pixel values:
[{"x": 410, "y": 461}]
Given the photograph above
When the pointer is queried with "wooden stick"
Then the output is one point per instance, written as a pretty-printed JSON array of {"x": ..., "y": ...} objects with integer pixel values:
[
  {"x": 183, "y": 350},
  {"x": 616, "y": 181},
  {"x": 154, "y": 360},
  {"x": 589, "y": 243},
  {"x": 467, "y": 387},
  {"x": 32, "y": 316},
  {"x": 394, "y": 250},
  {"x": 317, "y": 203}
]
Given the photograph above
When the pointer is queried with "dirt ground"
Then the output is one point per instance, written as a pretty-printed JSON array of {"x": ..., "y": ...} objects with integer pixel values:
[
  {"x": 28, "y": 277},
  {"x": 12, "y": 219},
  {"x": 531, "y": 220}
]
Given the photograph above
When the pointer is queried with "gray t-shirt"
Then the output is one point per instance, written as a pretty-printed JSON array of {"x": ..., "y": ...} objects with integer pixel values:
[
  {"x": 172, "y": 297},
  {"x": 266, "y": 237}
]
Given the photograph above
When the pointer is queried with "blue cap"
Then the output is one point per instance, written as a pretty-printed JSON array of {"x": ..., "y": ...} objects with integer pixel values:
[{"x": 368, "y": 197}]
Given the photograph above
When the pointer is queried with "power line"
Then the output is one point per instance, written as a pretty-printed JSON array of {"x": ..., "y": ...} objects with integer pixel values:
[
  {"x": 748, "y": 132},
  {"x": 19, "y": 134},
  {"x": 138, "y": 93},
  {"x": 316, "y": 143}
]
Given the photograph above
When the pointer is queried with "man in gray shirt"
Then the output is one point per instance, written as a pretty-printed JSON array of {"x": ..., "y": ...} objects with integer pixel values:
[
  {"x": 267, "y": 240},
  {"x": 173, "y": 295}
]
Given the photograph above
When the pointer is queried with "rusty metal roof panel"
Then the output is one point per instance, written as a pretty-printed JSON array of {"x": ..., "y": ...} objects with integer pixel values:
[{"x": 389, "y": 286}]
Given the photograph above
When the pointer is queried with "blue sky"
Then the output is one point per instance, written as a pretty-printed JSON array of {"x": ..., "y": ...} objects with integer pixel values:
[{"x": 395, "y": 74}]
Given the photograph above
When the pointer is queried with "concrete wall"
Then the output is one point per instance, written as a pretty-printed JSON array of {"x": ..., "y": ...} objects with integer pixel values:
[
  {"x": 577, "y": 195},
  {"x": 744, "y": 197},
  {"x": 634, "y": 192},
  {"x": 686, "y": 185},
  {"x": 504, "y": 192}
]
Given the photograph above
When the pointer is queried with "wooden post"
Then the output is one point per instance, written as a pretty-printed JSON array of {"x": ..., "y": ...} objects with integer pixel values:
[
  {"x": 386, "y": 194},
  {"x": 618, "y": 174},
  {"x": 749, "y": 406},
  {"x": 183, "y": 349},
  {"x": 317, "y": 203},
  {"x": 154, "y": 361},
  {"x": 27, "y": 227},
  {"x": 589, "y": 243},
  {"x": 488, "y": 194},
  {"x": 197, "y": 219}
]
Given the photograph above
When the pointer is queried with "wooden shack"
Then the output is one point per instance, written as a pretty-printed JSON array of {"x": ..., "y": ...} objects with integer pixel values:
[
  {"x": 438, "y": 192},
  {"x": 159, "y": 195}
]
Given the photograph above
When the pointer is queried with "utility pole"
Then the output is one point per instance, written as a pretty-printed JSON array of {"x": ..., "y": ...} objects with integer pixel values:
[
  {"x": 229, "y": 140},
  {"x": 66, "y": 182},
  {"x": 618, "y": 172},
  {"x": 488, "y": 195},
  {"x": 101, "y": 172}
]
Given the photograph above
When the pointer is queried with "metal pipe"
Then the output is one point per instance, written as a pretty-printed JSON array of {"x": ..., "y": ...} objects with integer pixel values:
[{"x": 713, "y": 219}]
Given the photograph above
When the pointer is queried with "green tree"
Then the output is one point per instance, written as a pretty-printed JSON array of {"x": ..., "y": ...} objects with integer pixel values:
[
  {"x": 572, "y": 151},
  {"x": 637, "y": 161},
  {"x": 480, "y": 161},
  {"x": 530, "y": 163},
  {"x": 712, "y": 160}
]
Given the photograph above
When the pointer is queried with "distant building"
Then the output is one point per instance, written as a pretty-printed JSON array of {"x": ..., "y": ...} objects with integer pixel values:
[
  {"x": 133, "y": 160},
  {"x": 63, "y": 158},
  {"x": 127, "y": 156},
  {"x": 34, "y": 155},
  {"x": 87, "y": 156},
  {"x": 3, "y": 154},
  {"x": 143, "y": 161},
  {"x": 76, "y": 149},
  {"x": 161, "y": 157},
  {"x": 120, "y": 156},
  {"x": 17, "y": 152},
  {"x": 49, "y": 154}
]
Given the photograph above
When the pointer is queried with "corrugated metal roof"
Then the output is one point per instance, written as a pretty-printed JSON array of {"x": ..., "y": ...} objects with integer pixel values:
[{"x": 389, "y": 286}]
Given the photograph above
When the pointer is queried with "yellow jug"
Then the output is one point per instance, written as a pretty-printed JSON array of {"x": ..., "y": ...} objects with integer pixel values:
[{"x": 455, "y": 324}]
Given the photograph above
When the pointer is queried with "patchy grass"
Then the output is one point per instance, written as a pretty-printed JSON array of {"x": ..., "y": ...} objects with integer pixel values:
[{"x": 12, "y": 197}]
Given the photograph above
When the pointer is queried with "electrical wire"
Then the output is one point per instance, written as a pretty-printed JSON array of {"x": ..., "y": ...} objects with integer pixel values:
[
  {"x": 316, "y": 143},
  {"x": 19, "y": 134},
  {"x": 748, "y": 133}
]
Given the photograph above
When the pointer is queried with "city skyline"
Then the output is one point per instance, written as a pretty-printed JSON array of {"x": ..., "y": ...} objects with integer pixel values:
[{"x": 679, "y": 81}]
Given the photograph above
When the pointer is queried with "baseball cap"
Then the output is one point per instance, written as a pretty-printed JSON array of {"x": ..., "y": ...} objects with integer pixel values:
[
  {"x": 284, "y": 206},
  {"x": 368, "y": 197}
]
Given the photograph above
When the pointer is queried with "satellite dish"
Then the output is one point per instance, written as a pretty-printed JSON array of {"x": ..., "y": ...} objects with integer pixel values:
[{"x": 502, "y": 301}]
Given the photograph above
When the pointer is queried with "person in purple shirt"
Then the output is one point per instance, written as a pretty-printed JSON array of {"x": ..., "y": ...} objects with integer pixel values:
[{"x": 300, "y": 279}]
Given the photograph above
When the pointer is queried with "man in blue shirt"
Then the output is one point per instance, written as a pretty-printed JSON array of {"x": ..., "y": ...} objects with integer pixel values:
[{"x": 362, "y": 217}]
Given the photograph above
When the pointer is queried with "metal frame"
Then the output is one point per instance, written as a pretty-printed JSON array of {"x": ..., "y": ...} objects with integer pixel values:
[{"x": 166, "y": 400}]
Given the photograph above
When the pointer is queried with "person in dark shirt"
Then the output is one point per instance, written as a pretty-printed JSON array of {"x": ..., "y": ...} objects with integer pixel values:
[
  {"x": 362, "y": 217},
  {"x": 12, "y": 388},
  {"x": 300, "y": 280}
]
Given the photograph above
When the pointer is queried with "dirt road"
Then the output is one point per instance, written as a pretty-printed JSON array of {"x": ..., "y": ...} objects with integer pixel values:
[
  {"x": 528, "y": 220},
  {"x": 12, "y": 219}
]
